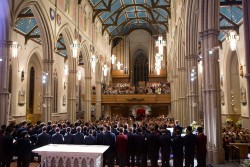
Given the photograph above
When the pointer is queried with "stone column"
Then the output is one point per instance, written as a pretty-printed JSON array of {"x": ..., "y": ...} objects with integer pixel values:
[
  {"x": 211, "y": 80},
  {"x": 246, "y": 17},
  {"x": 98, "y": 106},
  {"x": 182, "y": 97},
  {"x": 192, "y": 89},
  {"x": 47, "y": 90},
  {"x": 71, "y": 105},
  {"x": 4, "y": 84},
  {"x": 191, "y": 50},
  {"x": 87, "y": 102},
  {"x": 4, "y": 63}
]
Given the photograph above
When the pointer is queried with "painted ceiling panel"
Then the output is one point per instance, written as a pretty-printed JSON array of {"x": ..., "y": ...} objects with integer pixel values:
[
  {"x": 231, "y": 16},
  {"x": 128, "y": 10}
]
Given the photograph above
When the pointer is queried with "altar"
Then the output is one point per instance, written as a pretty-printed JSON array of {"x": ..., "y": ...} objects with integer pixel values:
[{"x": 62, "y": 155}]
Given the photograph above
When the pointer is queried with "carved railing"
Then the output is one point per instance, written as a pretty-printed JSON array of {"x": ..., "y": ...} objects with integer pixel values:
[{"x": 133, "y": 99}]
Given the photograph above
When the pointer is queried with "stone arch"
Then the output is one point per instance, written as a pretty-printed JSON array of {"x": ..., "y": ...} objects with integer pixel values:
[
  {"x": 86, "y": 57},
  {"x": 34, "y": 61},
  {"x": 233, "y": 86},
  {"x": 44, "y": 25},
  {"x": 38, "y": 52}
]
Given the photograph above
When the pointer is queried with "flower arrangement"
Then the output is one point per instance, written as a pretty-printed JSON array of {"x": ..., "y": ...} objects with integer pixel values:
[
  {"x": 194, "y": 125},
  {"x": 229, "y": 120},
  {"x": 246, "y": 163},
  {"x": 238, "y": 123}
]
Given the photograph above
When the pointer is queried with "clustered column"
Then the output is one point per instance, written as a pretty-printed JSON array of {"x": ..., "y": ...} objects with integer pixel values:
[
  {"x": 211, "y": 85},
  {"x": 71, "y": 106},
  {"x": 87, "y": 101},
  {"x": 47, "y": 90},
  {"x": 246, "y": 17},
  {"x": 4, "y": 64},
  {"x": 98, "y": 106}
]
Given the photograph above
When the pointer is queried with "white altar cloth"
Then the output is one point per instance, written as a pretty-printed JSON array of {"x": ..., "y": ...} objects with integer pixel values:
[{"x": 62, "y": 155}]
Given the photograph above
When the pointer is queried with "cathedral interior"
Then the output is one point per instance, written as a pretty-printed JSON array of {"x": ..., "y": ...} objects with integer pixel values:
[{"x": 93, "y": 59}]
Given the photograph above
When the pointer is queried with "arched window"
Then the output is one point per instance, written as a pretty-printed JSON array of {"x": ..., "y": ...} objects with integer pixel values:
[
  {"x": 10, "y": 79},
  {"x": 31, "y": 90},
  {"x": 55, "y": 93},
  {"x": 140, "y": 68}
]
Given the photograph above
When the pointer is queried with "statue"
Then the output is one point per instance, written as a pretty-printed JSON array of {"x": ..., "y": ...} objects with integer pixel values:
[
  {"x": 222, "y": 97},
  {"x": 243, "y": 98},
  {"x": 64, "y": 100},
  {"x": 21, "y": 97}
]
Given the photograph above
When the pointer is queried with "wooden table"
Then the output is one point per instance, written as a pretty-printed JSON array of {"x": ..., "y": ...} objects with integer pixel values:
[{"x": 243, "y": 147}]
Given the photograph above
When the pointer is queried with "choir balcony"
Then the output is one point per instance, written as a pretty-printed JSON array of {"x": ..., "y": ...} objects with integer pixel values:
[{"x": 132, "y": 99}]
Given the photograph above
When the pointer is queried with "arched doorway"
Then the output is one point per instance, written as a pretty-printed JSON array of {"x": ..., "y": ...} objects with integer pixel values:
[
  {"x": 140, "y": 68},
  {"x": 34, "y": 89},
  {"x": 234, "y": 89}
]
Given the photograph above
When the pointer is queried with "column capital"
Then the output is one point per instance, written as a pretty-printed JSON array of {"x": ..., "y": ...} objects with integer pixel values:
[
  {"x": 48, "y": 61},
  {"x": 209, "y": 32}
]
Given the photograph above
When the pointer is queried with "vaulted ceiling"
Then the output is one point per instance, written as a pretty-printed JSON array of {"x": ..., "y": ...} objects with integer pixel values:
[{"x": 120, "y": 17}]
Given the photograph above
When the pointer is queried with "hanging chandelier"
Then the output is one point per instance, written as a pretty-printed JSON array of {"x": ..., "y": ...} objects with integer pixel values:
[
  {"x": 158, "y": 67},
  {"x": 160, "y": 43},
  {"x": 93, "y": 60},
  {"x": 158, "y": 59},
  {"x": 79, "y": 75},
  {"x": 232, "y": 39},
  {"x": 113, "y": 58},
  {"x": 105, "y": 70},
  {"x": 75, "y": 46}
]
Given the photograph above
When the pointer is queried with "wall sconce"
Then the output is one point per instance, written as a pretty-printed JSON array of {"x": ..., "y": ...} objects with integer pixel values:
[
  {"x": 211, "y": 51},
  {"x": 232, "y": 102},
  {"x": 44, "y": 77},
  {"x": 22, "y": 75},
  {"x": 193, "y": 74},
  {"x": 241, "y": 70}
]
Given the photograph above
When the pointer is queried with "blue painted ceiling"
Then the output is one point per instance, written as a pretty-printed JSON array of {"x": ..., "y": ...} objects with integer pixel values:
[{"x": 120, "y": 17}]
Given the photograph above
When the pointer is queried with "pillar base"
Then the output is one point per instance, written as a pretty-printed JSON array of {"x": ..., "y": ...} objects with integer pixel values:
[{"x": 215, "y": 157}]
